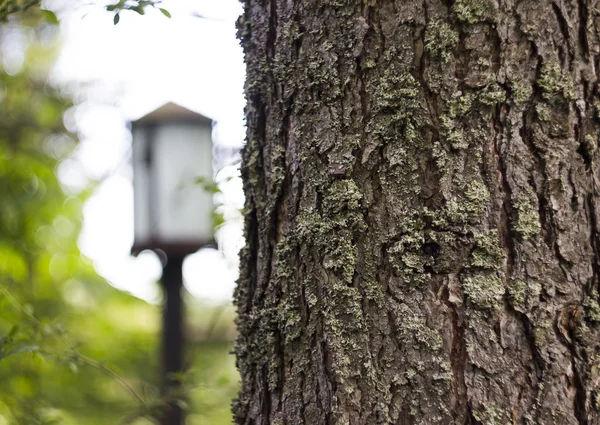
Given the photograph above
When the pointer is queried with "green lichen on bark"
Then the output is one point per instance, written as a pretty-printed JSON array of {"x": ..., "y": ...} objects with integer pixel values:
[
  {"x": 592, "y": 307},
  {"x": 484, "y": 290},
  {"x": 406, "y": 254},
  {"x": 543, "y": 112},
  {"x": 528, "y": 220},
  {"x": 332, "y": 229},
  {"x": 491, "y": 415},
  {"x": 543, "y": 333},
  {"x": 409, "y": 262},
  {"x": 487, "y": 253},
  {"x": 341, "y": 257},
  {"x": 451, "y": 126},
  {"x": 277, "y": 170},
  {"x": 590, "y": 146},
  {"x": 290, "y": 320},
  {"x": 556, "y": 85},
  {"x": 596, "y": 401},
  {"x": 251, "y": 163},
  {"x": 521, "y": 91},
  {"x": 343, "y": 195},
  {"x": 396, "y": 94},
  {"x": 413, "y": 327},
  {"x": 474, "y": 11},
  {"x": 491, "y": 94},
  {"x": 523, "y": 294},
  {"x": 463, "y": 209},
  {"x": 397, "y": 119},
  {"x": 441, "y": 40},
  {"x": 477, "y": 199},
  {"x": 310, "y": 227}
]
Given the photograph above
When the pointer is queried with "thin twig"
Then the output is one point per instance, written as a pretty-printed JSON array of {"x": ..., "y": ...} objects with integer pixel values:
[{"x": 111, "y": 373}]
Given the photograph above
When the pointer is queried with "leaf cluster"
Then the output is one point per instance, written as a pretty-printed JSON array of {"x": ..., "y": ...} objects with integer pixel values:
[
  {"x": 138, "y": 6},
  {"x": 19, "y": 7},
  {"x": 9, "y": 7}
]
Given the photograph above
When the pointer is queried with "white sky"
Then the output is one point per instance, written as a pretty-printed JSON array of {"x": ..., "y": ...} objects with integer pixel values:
[{"x": 121, "y": 73}]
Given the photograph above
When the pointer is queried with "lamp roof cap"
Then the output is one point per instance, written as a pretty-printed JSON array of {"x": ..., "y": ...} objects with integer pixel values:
[{"x": 172, "y": 112}]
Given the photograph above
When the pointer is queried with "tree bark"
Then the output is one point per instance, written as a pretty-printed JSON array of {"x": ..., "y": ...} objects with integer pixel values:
[{"x": 421, "y": 213}]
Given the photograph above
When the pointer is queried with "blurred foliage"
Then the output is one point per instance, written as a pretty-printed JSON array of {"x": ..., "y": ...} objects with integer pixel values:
[
  {"x": 73, "y": 349},
  {"x": 138, "y": 6},
  {"x": 10, "y": 7}
]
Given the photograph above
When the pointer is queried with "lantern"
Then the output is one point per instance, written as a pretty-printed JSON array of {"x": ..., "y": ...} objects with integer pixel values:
[{"x": 172, "y": 165}]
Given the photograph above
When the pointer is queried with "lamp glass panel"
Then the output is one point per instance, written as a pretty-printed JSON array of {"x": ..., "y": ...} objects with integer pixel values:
[
  {"x": 182, "y": 154},
  {"x": 141, "y": 184}
]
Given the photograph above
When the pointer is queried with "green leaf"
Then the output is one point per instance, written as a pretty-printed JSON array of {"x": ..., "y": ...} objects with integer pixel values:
[
  {"x": 50, "y": 17},
  {"x": 165, "y": 12},
  {"x": 116, "y": 19},
  {"x": 208, "y": 185},
  {"x": 218, "y": 219}
]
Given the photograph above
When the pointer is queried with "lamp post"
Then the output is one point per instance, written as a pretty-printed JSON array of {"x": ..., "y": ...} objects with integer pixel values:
[{"x": 171, "y": 151}]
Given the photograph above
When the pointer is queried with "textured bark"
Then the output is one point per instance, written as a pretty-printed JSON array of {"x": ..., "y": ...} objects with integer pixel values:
[{"x": 421, "y": 214}]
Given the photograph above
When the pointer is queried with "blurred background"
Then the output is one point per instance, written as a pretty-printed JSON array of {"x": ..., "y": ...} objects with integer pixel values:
[{"x": 79, "y": 316}]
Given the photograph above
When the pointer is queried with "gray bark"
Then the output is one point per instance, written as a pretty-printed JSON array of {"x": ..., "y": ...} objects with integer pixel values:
[{"x": 421, "y": 214}]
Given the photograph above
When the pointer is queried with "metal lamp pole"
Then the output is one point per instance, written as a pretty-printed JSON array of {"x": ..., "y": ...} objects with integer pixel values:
[{"x": 172, "y": 339}]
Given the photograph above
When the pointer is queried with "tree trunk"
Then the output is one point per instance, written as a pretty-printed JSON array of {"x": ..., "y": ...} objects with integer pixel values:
[{"x": 422, "y": 213}]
